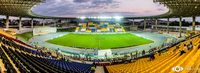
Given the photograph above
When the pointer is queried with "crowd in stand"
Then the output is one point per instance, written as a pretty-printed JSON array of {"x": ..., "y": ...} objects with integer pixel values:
[
  {"x": 163, "y": 60},
  {"x": 153, "y": 51}
]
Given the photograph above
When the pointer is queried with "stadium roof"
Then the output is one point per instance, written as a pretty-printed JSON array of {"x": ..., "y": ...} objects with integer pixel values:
[
  {"x": 18, "y": 7},
  {"x": 184, "y": 8},
  {"x": 177, "y": 8}
]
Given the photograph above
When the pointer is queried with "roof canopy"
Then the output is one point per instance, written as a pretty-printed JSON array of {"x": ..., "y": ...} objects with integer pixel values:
[
  {"x": 177, "y": 8},
  {"x": 18, "y": 7}
]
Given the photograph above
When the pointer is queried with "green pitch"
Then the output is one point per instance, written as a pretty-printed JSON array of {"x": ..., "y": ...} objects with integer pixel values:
[{"x": 102, "y": 41}]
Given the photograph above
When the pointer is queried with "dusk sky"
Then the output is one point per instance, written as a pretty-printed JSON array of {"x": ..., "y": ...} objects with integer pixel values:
[{"x": 76, "y": 8}]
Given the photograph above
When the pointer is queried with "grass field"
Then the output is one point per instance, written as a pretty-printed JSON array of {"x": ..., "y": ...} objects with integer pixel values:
[
  {"x": 25, "y": 36},
  {"x": 102, "y": 41}
]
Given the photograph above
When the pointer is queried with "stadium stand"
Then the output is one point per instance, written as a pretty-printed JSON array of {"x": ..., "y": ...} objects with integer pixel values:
[
  {"x": 19, "y": 58},
  {"x": 163, "y": 63}
]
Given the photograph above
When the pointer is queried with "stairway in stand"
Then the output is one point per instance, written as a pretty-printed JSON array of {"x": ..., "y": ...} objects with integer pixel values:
[{"x": 99, "y": 69}]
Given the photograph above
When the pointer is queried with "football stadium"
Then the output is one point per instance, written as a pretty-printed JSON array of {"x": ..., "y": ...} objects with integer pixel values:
[{"x": 99, "y": 36}]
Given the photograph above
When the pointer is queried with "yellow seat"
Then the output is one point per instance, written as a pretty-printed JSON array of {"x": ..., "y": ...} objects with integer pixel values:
[{"x": 163, "y": 63}]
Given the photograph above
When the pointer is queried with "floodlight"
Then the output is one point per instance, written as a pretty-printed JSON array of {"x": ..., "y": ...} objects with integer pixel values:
[
  {"x": 82, "y": 17},
  {"x": 117, "y": 17}
]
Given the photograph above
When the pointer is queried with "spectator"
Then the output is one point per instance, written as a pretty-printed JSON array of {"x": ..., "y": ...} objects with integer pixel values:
[
  {"x": 182, "y": 52},
  {"x": 136, "y": 54},
  {"x": 143, "y": 52},
  {"x": 159, "y": 53},
  {"x": 152, "y": 57},
  {"x": 199, "y": 47},
  {"x": 185, "y": 47},
  {"x": 190, "y": 46}
]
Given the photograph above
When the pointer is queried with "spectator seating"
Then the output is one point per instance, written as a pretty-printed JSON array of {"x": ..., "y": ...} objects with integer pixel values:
[
  {"x": 29, "y": 60},
  {"x": 165, "y": 62}
]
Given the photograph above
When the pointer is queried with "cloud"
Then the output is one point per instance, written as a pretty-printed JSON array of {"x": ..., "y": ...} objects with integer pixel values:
[
  {"x": 103, "y": 2},
  {"x": 81, "y": 1},
  {"x": 98, "y": 7}
]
